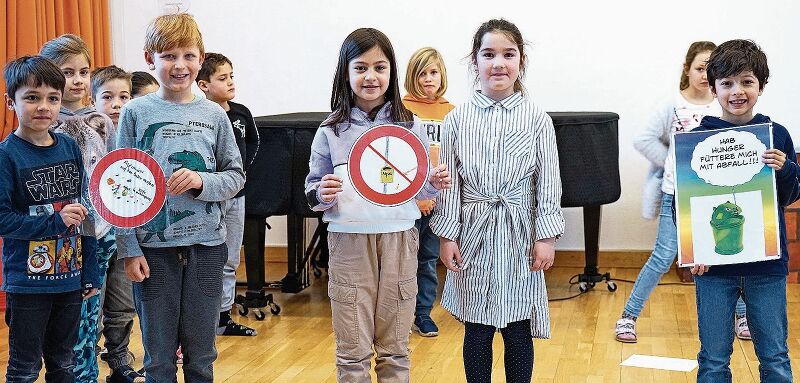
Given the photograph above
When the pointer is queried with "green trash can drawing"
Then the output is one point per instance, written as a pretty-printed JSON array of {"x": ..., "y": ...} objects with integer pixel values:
[{"x": 727, "y": 225}]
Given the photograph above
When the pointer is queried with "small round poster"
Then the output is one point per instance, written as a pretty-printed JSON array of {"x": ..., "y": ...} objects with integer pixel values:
[
  {"x": 388, "y": 165},
  {"x": 127, "y": 188}
]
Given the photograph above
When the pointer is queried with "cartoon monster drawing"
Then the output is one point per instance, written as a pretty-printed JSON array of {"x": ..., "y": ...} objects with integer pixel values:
[{"x": 727, "y": 223}]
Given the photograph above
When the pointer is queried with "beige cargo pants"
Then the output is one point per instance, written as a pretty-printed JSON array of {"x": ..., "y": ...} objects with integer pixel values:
[{"x": 373, "y": 290}]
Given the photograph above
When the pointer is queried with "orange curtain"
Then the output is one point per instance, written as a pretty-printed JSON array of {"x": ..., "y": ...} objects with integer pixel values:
[
  {"x": 30, "y": 23},
  {"x": 27, "y": 24}
]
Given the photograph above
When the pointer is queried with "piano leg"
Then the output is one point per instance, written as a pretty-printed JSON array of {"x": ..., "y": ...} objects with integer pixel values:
[
  {"x": 255, "y": 298},
  {"x": 591, "y": 238},
  {"x": 296, "y": 278},
  {"x": 253, "y": 240}
]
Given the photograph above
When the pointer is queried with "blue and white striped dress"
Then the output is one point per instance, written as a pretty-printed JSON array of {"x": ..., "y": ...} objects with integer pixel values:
[{"x": 506, "y": 194}]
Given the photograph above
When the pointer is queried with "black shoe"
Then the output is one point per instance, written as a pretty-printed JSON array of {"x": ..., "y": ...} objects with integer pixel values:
[
  {"x": 234, "y": 329},
  {"x": 425, "y": 326},
  {"x": 125, "y": 374}
]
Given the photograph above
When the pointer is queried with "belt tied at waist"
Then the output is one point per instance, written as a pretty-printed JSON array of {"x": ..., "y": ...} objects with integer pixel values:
[{"x": 477, "y": 231}]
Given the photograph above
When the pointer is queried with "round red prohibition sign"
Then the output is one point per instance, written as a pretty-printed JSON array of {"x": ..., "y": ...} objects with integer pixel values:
[
  {"x": 388, "y": 165},
  {"x": 127, "y": 188}
]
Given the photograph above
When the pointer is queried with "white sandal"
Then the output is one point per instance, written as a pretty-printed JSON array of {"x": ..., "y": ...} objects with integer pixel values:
[
  {"x": 742, "y": 329},
  {"x": 625, "y": 330}
]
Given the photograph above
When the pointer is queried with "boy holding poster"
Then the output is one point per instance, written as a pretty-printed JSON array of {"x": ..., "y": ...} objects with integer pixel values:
[{"x": 737, "y": 71}]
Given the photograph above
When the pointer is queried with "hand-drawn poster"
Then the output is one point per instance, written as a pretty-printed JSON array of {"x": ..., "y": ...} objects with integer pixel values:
[
  {"x": 127, "y": 188},
  {"x": 725, "y": 197}
]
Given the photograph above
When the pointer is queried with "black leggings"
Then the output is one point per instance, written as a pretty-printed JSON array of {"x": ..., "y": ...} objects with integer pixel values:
[{"x": 518, "y": 357}]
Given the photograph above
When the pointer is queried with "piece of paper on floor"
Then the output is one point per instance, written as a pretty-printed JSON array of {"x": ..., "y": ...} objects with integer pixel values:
[{"x": 660, "y": 363}]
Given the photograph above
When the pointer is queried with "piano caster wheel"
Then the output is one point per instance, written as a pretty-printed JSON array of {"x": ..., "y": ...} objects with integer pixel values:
[
  {"x": 259, "y": 314},
  {"x": 274, "y": 308},
  {"x": 255, "y": 301}
]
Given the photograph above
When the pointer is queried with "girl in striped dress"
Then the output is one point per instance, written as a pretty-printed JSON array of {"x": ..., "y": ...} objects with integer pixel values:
[{"x": 499, "y": 222}]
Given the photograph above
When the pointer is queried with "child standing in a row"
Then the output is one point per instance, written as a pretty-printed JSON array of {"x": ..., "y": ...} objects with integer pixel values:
[
  {"x": 111, "y": 89},
  {"x": 176, "y": 260},
  {"x": 373, "y": 249},
  {"x": 39, "y": 218},
  {"x": 426, "y": 82},
  {"x": 215, "y": 79},
  {"x": 738, "y": 72},
  {"x": 681, "y": 113},
  {"x": 94, "y": 132},
  {"x": 499, "y": 223}
]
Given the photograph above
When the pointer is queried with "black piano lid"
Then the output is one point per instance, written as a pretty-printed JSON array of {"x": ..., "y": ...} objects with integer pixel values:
[
  {"x": 579, "y": 118},
  {"x": 311, "y": 120},
  {"x": 307, "y": 120}
]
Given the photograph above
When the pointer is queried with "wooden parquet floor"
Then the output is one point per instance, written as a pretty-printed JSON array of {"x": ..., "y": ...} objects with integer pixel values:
[{"x": 298, "y": 345}]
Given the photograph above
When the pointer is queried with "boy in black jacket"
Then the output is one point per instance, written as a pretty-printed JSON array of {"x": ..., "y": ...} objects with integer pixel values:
[
  {"x": 737, "y": 71},
  {"x": 215, "y": 79}
]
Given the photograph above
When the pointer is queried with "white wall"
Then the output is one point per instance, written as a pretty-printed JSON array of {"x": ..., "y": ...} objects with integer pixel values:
[{"x": 621, "y": 56}]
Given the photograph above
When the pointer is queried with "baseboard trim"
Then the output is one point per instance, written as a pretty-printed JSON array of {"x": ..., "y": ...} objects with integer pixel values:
[
  {"x": 570, "y": 258},
  {"x": 276, "y": 254},
  {"x": 618, "y": 259}
]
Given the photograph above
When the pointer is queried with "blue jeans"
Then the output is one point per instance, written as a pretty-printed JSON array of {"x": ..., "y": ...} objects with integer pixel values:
[
  {"x": 179, "y": 305},
  {"x": 42, "y": 325},
  {"x": 661, "y": 259},
  {"x": 766, "y": 297},
  {"x": 427, "y": 256}
]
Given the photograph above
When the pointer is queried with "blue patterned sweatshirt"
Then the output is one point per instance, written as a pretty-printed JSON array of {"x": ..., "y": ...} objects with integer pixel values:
[{"x": 40, "y": 253}]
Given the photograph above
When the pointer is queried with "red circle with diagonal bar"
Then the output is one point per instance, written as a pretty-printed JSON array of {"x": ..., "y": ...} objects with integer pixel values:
[
  {"x": 127, "y": 187},
  {"x": 388, "y": 165}
]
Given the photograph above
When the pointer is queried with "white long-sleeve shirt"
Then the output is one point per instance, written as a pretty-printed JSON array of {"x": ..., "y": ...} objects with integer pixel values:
[{"x": 676, "y": 114}]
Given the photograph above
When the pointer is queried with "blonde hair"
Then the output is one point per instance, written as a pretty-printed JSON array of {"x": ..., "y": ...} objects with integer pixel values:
[
  {"x": 420, "y": 60},
  {"x": 171, "y": 31},
  {"x": 62, "y": 48}
]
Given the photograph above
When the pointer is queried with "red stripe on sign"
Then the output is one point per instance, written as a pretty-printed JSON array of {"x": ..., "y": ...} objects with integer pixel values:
[{"x": 390, "y": 164}]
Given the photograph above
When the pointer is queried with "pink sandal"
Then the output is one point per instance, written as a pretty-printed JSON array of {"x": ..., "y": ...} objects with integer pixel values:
[{"x": 742, "y": 329}]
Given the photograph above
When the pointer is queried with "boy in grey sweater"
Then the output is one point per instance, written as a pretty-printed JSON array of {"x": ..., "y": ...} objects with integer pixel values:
[{"x": 176, "y": 259}]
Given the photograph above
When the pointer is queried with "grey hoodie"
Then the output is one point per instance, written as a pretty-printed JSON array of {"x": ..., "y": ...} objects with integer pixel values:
[{"x": 349, "y": 212}]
